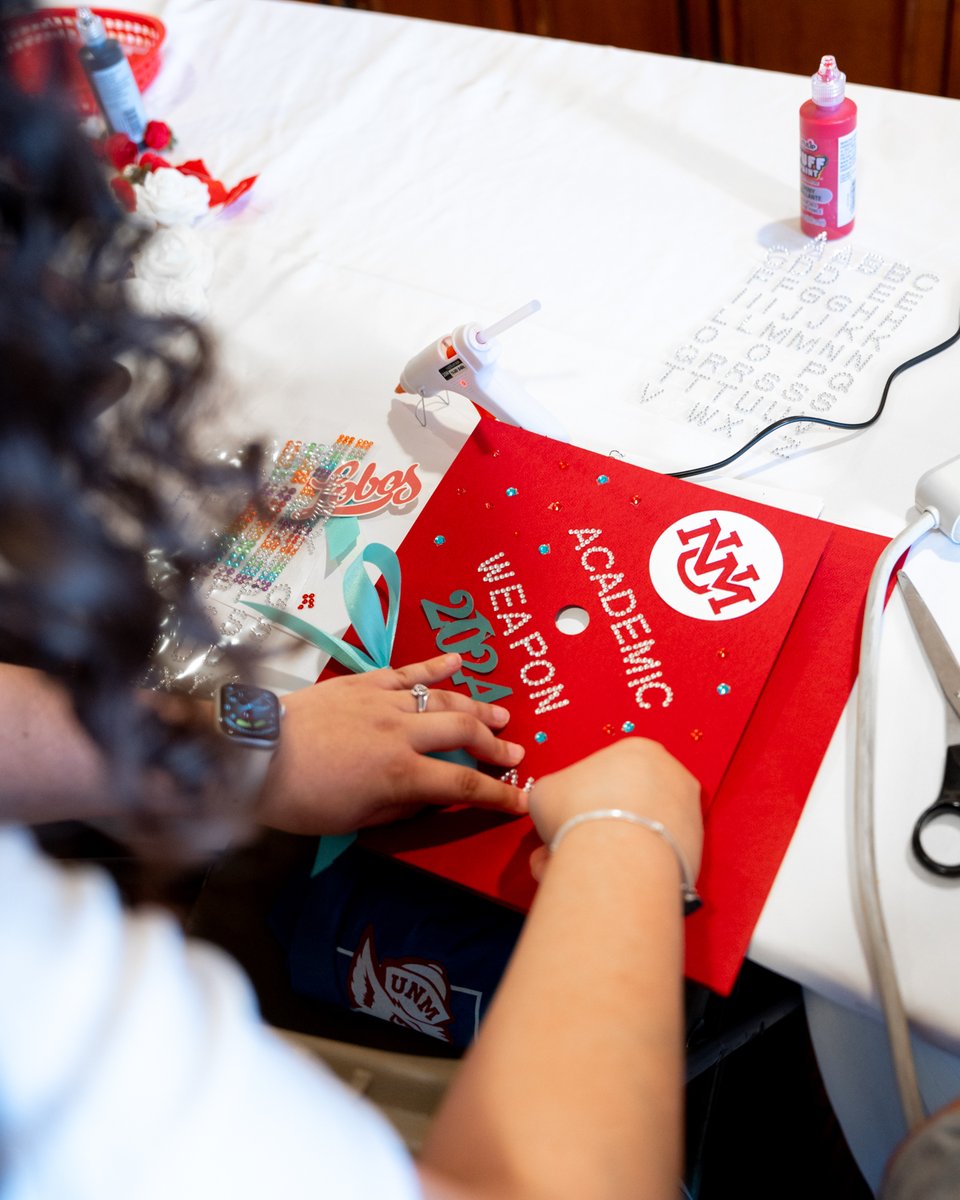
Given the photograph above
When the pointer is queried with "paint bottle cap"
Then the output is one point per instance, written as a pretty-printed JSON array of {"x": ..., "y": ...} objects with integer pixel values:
[
  {"x": 828, "y": 84},
  {"x": 90, "y": 27}
]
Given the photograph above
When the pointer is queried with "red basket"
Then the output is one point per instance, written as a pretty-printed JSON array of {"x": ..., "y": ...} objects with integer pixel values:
[{"x": 29, "y": 40}]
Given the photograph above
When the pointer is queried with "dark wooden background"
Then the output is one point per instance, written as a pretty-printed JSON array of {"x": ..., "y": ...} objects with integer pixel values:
[{"x": 908, "y": 44}]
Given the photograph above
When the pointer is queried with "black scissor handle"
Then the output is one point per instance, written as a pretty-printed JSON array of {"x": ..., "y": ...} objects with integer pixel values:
[{"x": 946, "y": 806}]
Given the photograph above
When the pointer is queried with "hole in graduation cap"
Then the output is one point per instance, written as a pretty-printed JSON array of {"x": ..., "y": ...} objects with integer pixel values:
[{"x": 572, "y": 619}]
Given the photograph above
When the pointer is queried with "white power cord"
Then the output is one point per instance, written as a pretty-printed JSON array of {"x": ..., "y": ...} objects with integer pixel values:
[
  {"x": 938, "y": 499},
  {"x": 876, "y": 943}
]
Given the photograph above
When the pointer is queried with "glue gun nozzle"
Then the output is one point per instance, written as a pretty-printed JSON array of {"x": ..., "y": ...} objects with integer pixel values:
[{"x": 399, "y": 389}]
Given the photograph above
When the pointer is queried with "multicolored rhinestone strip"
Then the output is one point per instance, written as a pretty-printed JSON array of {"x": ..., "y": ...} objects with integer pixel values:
[{"x": 298, "y": 498}]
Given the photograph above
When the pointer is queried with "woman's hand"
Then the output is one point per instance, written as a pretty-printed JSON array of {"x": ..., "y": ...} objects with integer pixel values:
[
  {"x": 353, "y": 752},
  {"x": 634, "y": 774},
  {"x": 574, "y": 1086}
]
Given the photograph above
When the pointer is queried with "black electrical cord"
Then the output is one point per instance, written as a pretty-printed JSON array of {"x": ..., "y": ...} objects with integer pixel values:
[{"x": 797, "y": 420}]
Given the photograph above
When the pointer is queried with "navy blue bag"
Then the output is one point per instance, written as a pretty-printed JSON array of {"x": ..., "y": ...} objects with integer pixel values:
[{"x": 374, "y": 935}]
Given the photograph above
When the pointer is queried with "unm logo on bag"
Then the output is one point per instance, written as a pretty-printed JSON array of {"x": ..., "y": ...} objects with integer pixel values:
[
  {"x": 716, "y": 565},
  {"x": 413, "y": 992}
]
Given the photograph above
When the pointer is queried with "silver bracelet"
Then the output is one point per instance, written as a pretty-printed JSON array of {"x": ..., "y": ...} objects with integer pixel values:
[{"x": 691, "y": 898}]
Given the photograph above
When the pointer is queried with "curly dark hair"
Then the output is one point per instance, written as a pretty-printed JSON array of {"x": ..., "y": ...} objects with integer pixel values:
[{"x": 97, "y": 403}]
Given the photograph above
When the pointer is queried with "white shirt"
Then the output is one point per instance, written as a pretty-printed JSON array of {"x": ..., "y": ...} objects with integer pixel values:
[{"x": 134, "y": 1065}]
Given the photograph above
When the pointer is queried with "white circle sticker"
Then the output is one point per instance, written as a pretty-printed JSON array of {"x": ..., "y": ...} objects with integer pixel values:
[{"x": 716, "y": 565}]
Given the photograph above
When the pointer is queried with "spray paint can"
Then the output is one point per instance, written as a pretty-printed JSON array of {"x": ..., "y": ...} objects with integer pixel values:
[{"x": 828, "y": 154}]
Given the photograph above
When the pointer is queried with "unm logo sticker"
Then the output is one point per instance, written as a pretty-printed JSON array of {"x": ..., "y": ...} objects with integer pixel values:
[{"x": 716, "y": 565}]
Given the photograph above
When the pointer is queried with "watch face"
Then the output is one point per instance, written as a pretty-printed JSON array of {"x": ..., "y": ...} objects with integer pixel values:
[{"x": 250, "y": 714}]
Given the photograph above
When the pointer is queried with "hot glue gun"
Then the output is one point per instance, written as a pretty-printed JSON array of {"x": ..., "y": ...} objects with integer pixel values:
[{"x": 466, "y": 361}]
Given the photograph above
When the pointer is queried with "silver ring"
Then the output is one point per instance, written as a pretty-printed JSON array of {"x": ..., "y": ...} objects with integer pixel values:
[{"x": 421, "y": 693}]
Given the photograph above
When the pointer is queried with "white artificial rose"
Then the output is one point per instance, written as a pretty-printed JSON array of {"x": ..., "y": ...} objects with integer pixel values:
[
  {"x": 172, "y": 273},
  {"x": 174, "y": 297},
  {"x": 171, "y": 198},
  {"x": 175, "y": 253}
]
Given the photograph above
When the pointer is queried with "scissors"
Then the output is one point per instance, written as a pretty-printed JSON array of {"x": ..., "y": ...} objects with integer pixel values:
[{"x": 947, "y": 670}]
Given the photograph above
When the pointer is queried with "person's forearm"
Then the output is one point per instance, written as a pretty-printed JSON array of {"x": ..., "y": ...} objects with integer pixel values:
[
  {"x": 574, "y": 1087},
  {"x": 51, "y": 769}
]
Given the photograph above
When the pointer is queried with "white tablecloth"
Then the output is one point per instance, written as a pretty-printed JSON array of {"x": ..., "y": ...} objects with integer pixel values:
[{"x": 415, "y": 176}]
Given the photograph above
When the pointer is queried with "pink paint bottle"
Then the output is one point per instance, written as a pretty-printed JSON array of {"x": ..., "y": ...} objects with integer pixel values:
[{"x": 828, "y": 154}]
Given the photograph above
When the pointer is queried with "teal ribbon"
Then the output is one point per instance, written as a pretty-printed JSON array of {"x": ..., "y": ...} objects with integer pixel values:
[
  {"x": 329, "y": 849},
  {"x": 363, "y": 608},
  {"x": 342, "y": 533}
]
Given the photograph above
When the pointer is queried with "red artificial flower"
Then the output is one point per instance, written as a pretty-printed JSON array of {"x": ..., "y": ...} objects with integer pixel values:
[
  {"x": 158, "y": 135},
  {"x": 152, "y": 162},
  {"x": 218, "y": 193},
  {"x": 239, "y": 189},
  {"x": 196, "y": 167},
  {"x": 120, "y": 150},
  {"x": 123, "y": 190}
]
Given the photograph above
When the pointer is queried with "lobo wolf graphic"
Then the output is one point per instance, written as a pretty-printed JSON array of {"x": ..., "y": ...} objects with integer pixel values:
[{"x": 413, "y": 993}]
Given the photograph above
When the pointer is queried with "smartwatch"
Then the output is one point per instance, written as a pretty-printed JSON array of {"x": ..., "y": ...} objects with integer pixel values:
[{"x": 250, "y": 716}]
